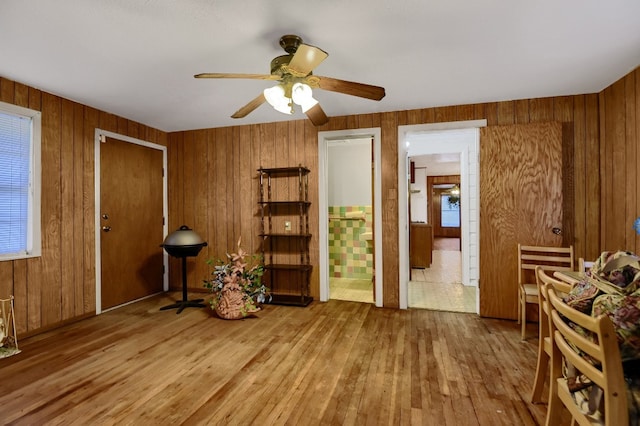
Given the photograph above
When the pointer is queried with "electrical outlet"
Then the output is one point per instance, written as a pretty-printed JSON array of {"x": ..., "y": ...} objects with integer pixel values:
[{"x": 287, "y": 225}]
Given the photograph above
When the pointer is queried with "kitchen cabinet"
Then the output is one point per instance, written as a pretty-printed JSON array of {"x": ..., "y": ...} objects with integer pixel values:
[{"x": 420, "y": 244}]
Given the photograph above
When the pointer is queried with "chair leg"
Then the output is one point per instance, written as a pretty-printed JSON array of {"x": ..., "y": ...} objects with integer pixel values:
[
  {"x": 519, "y": 304},
  {"x": 541, "y": 374},
  {"x": 523, "y": 318},
  {"x": 554, "y": 410}
]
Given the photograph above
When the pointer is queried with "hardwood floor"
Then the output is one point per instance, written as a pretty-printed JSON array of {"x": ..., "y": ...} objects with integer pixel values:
[{"x": 331, "y": 363}]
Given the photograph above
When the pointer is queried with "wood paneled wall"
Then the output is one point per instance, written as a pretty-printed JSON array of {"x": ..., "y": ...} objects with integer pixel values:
[
  {"x": 59, "y": 286},
  {"x": 619, "y": 163},
  {"x": 213, "y": 185},
  {"x": 221, "y": 201}
]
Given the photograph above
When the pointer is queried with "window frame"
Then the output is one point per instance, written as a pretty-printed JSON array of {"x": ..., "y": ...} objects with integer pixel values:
[{"x": 34, "y": 234}]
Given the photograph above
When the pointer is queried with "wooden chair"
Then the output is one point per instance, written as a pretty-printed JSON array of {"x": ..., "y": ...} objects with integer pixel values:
[
  {"x": 544, "y": 334},
  {"x": 584, "y": 266},
  {"x": 550, "y": 259},
  {"x": 604, "y": 369}
]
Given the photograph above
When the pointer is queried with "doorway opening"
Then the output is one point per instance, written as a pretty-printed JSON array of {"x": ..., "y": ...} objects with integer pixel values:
[
  {"x": 461, "y": 138},
  {"x": 350, "y": 215}
]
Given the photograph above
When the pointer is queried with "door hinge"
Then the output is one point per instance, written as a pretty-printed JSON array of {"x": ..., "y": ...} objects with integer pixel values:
[
  {"x": 163, "y": 270},
  {"x": 162, "y": 220},
  {"x": 163, "y": 172}
]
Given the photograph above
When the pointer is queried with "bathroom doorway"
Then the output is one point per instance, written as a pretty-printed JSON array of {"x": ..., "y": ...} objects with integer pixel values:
[
  {"x": 350, "y": 236},
  {"x": 349, "y": 216}
]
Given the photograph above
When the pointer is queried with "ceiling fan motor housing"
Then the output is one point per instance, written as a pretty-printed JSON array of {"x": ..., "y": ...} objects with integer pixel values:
[{"x": 279, "y": 63}]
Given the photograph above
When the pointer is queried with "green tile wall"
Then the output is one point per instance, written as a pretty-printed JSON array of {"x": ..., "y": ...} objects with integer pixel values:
[{"x": 350, "y": 256}]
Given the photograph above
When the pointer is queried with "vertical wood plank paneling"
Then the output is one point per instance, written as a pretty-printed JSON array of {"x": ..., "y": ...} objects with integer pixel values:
[
  {"x": 7, "y": 90},
  {"x": 473, "y": 112},
  {"x": 134, "y": 129},
  {"x": 337, "y": 123},
  {"x": 491, "y": 111},
  {"x": 60, "y": 284},
  {"x": 631, "y": 176},
  {"x": 540, "y": 110},
  {"x": 307, "y": 137},
  {"x": 506, "y": 113},
  {"x": 201, "y": 202},
  {"x": 366, "y": 121},
  {"x": 219, "y": 190},
  {"x": 189, "y": 200},
  {"x": 6, "y": 279},
  {"x": 563, "y": 108},
  {"x": 594, "y": 123},
  {"x": 580, "y": 170},
  {"x": 234, "y": 203},
  {"x": 389, "y": 175},
  {"x": 67, "y": 226},
  {"x": 593, "y": 173},
  {"x": 20, "y": 294},
  {"x": 51, "y": 209},
  {"x": 78, "y": 210},
  {"x": 402, "y": 118},
  {"x": 445, "y": 114},
  {"x": 256, "y": 163},
  {"x": 522, "y": 111},
  {"x": 91, "y": 122},
  {"x": 249, "y": 197},
  {"x": 175, "y": 184},
  {"x": 34, "y": 265},
  {"x": 613, "y": 229}
]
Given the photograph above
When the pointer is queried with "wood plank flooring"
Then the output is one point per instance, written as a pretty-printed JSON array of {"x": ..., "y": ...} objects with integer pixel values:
[{"x": 335, "y": 363}]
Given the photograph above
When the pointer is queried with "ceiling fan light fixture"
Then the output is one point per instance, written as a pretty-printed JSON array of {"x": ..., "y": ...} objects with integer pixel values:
[
  {"x": 276, "y": 97},
  {"x": 303, "y": 96}
]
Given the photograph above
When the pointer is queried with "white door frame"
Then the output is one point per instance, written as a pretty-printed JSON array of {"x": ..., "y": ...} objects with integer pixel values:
[
  {"x": 462, "y": 137},
  {"x": 323, "y": 205},
  {"x": 100, "y": 136}
]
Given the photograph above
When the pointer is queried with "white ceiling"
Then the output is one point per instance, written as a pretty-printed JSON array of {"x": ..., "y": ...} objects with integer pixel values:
[
  {"x": 438, "y": 164},
  {"x": 137, "y": 58}
]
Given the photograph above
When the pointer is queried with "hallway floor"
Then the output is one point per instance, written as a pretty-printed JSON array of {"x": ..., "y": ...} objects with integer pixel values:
[{"x": 437, "y": 288}]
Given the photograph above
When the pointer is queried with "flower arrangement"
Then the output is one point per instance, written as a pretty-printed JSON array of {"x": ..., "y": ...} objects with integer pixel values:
[{"x": 236, "y": 285}]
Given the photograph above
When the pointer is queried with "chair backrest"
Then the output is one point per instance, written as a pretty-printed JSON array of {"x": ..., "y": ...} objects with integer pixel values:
[
  {"x": 597, "y": 358},
  {"x": 549, "y": 258},
  {"x": 544, "y": 282},
  {"x": 584, "y": 266}
]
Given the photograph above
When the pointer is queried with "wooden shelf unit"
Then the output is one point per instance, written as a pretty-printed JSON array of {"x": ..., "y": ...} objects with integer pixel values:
[{"x": 288, "y": 280}]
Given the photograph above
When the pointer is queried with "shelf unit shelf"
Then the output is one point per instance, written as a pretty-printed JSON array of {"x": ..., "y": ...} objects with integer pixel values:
[{"x": 288, "y": 281}]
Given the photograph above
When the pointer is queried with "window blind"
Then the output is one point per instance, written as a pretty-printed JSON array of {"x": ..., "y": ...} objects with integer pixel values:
[{"x": 15, "y": 145}]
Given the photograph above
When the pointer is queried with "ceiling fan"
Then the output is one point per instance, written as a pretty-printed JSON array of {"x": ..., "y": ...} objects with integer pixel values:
[{"x": 293, "y": 72}]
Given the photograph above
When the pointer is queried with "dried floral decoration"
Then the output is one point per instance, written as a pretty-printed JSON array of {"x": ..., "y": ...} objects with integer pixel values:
[{"x": 237, "y": 285}]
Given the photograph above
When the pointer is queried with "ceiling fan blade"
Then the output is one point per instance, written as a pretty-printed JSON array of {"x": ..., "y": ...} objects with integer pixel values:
[
  {"x": 306, "y": 59},
  {"x": 317, "y": 116},
  {"x": 245, "y": 110},
  {"x": 351, "y": 88},
  {"x": 247, "y": 76}
]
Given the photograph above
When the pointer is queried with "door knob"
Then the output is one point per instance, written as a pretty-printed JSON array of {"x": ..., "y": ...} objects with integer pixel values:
[
  {"x": 557, "y": 231},
  {"x": 106, "y": 228}
]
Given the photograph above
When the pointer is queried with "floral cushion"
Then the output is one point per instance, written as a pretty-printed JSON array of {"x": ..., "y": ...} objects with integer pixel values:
[{"x": 612, "y": 288}]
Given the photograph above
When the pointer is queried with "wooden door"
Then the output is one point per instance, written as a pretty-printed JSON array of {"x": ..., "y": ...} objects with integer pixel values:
[
  {"x": 131, "y": 221},
  {"x": 520, "y": 202}
]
